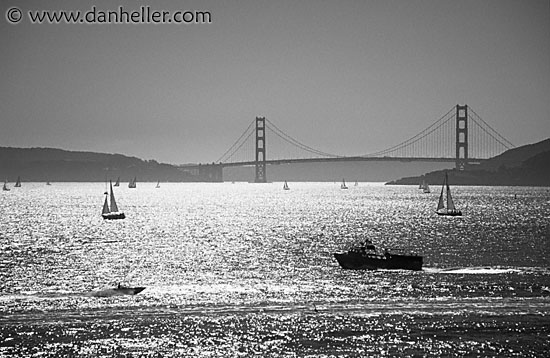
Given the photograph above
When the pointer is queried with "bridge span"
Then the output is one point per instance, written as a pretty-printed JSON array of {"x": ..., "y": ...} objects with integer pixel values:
[{"x": 456, "y": 138}]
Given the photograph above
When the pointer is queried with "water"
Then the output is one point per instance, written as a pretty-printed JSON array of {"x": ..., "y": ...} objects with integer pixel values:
[{"x": 246, "y": 270}]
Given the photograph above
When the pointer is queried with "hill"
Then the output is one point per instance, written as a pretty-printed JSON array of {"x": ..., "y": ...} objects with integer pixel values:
[
  {"x": 528, "y": 165},
  {"x": 49, "y": 164},
  {"x": 514, "y": 158}
]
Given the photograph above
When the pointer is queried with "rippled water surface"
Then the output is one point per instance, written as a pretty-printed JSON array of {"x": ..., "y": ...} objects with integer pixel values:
[{"x": 247, "y": 270}]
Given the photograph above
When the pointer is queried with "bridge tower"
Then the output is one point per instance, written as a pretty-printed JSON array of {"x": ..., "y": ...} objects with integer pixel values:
[
  {"x": 461, "y": 137},
  {"x": 260, "y": 151}
]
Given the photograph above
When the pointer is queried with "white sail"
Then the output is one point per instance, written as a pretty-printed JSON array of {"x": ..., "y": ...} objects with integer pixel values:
[
  {"x": 285, "y": 186},
  {"x": 114, "y": 207},
  {"x": 450, "y": 204},
  {"x": 441, "y": 203}
]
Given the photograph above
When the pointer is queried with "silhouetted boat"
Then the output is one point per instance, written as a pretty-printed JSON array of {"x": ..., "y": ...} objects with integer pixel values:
[
  {"x": 158, "y": 184},
  {"x": 367, "y": 257},
  {"x": 285, "y": 186},
  {"x": 343, "y": 185},
  {"x": 118, "y": 290},
  {"x": 48, "y": 183},
  {"x": 117, "y": 183},
  {"x": 450, "y": 210},
  {"x": 18, "y": 182},
  {"x": 356, "y": 183},
  {"x": 5, "y": 187},
  {"x": 128, "y": 290},
  {"x": 132, "y": 183},
  {"x": 110, "y": 212}
]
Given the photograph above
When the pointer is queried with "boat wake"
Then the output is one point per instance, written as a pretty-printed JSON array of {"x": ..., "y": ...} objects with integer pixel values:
[
  {"x": 110, "y": 292},
  {"x": 474, "y": 270}
]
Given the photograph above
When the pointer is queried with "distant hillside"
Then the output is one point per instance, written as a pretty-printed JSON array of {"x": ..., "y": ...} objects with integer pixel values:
[
  {"x": 524, "y": 166},
  {"x": 515, "y": 157},
  {"x": 42, "y": 164}
]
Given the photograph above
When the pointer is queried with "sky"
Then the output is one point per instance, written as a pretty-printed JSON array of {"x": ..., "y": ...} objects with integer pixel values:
[{"x": 346, "y": 77}]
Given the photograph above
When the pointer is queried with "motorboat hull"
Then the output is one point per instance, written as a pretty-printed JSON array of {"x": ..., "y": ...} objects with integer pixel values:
[
  {"x": 388, "y": 261},
  {"x": 129, "y": 290}
]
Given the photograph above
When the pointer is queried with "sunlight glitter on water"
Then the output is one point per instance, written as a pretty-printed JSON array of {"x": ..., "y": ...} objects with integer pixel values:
[{"x": 261, "y": 257}]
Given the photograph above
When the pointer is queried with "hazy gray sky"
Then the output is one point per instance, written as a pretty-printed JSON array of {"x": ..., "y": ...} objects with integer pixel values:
[{"x": 348, "y": 77}]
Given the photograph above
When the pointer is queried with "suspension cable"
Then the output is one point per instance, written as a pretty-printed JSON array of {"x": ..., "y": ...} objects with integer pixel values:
[
  {"x": 437, "y": 124},
  {"x": 509, "y": 144},
  {"x": 298, "y": 144},
  {"x": 234, "y": 144}
]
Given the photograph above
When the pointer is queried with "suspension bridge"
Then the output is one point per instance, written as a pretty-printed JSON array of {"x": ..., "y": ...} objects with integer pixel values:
[{"x": 460, "y": 136}]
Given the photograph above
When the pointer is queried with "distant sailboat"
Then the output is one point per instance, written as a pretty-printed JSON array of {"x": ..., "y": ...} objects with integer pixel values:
[
  {"x": 18, "y": 182},
  {"x": 424, "y": 186},
  {"x": 450, "y": 210},
  {"x": 117, "y": 183},
  {"x": 48, "y": 183},
  {"x": 110, "y": 212},
  {"x": 285, "y": 186},
  {"x": 158, "y": 184},
  {"x": 356, "y": 183},
  {"x": 5, "y": 187},
  {"x": 132, "y": 183},
  {"x": 343, "y": 185}
]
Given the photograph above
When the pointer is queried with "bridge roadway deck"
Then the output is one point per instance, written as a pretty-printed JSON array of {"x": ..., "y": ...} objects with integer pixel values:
[{"x": 337, "y": 159}]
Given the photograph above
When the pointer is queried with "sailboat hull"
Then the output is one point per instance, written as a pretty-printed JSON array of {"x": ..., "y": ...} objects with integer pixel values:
[
  {"x": 113, "y": 216},
  {"x": 449, "y": 213},
  {"x": 388, "y": 261}
]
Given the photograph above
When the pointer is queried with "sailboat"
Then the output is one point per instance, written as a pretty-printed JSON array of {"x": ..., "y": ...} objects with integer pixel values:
[
  {"x": 343, "y": 185},
  {"x": 132, "y": 183},
  {"x": 111, "y": 212},
  {"x": 158, "y": 184},
  {"x": 18, "y": 182},
  {"x": 425, "y": 187},
  {"x": 117, "y": 183},
  {"x": 285, "y": 186},
  {"x": 356, "y": 183},
  {"x": 450, "y": 210},
  {"x": 5, "y": 187}
]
